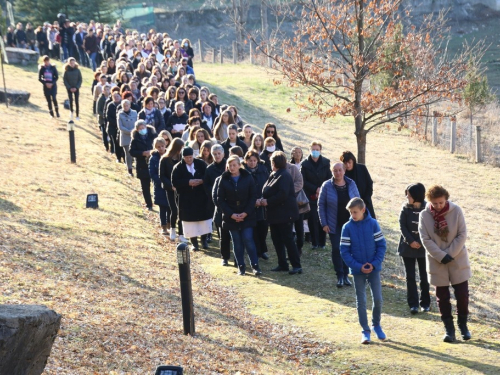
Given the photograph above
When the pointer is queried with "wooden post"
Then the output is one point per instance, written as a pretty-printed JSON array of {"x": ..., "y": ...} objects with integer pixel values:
[
  {"x": 479, "y": 157},
  {"x": 453, "y": 134},
  {"x": 213, "y": 55},
  {"x": 199, "y": 48},
  {"x": 434, "y": 130},
  {"x": 235, "y": 52},
  {"x": 221, "y": 57},
  {"x": 251, "y": 53}
]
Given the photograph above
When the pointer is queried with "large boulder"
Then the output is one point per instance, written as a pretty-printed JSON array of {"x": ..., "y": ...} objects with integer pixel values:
[
  {"x": 27, "y": 333},
  {"x": 14, "y": 96},
  {"x": 21, "y": 56}
]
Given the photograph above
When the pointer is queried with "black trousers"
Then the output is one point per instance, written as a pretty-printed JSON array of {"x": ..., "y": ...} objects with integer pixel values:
[
  {"x": 114, "y": 137},
  {"x": 299, "y": 232},
  {"x": 224, "y": 242},
  {"x": 76, "y": 95},
  {"x": 411, "y": 282},
  {"x": 282, "y": 236},
  {"x": 174, "y": 211},
  {"x": 104, "y": 136},
  {"x": 50, "y": 96},
  {"x": 164, "y": 214},
  {"x": 84, "y": 58},
  {"x": 146, "y": 191},
  {"x": 318, "y": 236},
  {"x": 259, "y": 237}
]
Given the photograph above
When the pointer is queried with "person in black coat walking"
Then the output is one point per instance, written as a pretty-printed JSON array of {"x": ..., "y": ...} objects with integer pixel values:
[
  {"x": 151, "y": 115},
  {"x": 236, "y": 196},
  {"x": 410, "y": 248},
  {"x": 160, "y": 195},
  {"x": 359, "y": 173},
  {"x": 315, "y": 170},
  {"x": 140, "y": 148},
  {"x": 278, "y": 196},
  {"x": 233, "y": 140},
  {"x": 48, "y": 76},
  {"x": 187, "y": 178},
  {"x": 212, "y": 172},
  {"x": 260, "y": 175},
  {"x": 111, "y": 115}
]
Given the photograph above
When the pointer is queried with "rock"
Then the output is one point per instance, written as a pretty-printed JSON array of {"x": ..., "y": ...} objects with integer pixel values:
[
  {"x": 14, "y": 96},
  {"x": 21, "y": 56},
  {"x": 27, "y": 333}
]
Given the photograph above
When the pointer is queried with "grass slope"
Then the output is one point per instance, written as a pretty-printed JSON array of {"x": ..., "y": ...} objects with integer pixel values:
[{"x": 115, "y": 280}]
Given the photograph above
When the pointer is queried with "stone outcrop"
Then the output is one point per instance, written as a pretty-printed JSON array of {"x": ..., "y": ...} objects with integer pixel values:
[
  {"x": 21, "y": 56},
  {"x": 14, "y": 96},
  {"x": 27, "y": 333}
]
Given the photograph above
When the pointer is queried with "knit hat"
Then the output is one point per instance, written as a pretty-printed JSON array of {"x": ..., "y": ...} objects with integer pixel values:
[
  {"x": 187, "y": 151},
  {"x": 417, "y": 192}
]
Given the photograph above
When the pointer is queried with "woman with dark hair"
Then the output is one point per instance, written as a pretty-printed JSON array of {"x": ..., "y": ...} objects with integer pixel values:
[
  {"x": 164, "y": 110},
  {"x": 237, "y": 119},
  {"x": 151, "y": 115},
  {"x": 141, "y": 72},
  {"x": 123, "y": 78},
  {"x": 181, "y": 96},
  {"x": 257, "y": 144},
  {"x": 443, "y": 232},
  {"x": 181, "y": 72},
  {"x": 411, "y": 250},
  {"x": 187, "y": 178},
  {"x": 233, "y": 140},
  {"x": 259, "y": 172},
  {"x": 111, "y": 66},
  {"x": 73, "y": 81},
  {"x": 296, "y": 156},
  {"x": 236, "y": 197},
  {"x": 178, "y": 120},
  {"x": 199, "y": 136},
  {"x": 48, "y": 76},
  {"x": 271, "y": 131},
  {"x": 359, "y": 173},
  {"x": 140, "y": 148},
  {"x": 167, "y": 163},
  {"x": 278, "y": 197},
  {"x": 221, "y": 125},
  {"x": 160, "y": 195},
  {"x": 265, "y": 155},
  {"x": 247, "y": 135},
  {"x": 206, "y": 151}
]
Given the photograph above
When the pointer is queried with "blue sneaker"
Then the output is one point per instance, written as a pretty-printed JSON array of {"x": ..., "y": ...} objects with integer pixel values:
[
  {"x": 378, "y": 331},
  {"x": 365, "y": 337}
]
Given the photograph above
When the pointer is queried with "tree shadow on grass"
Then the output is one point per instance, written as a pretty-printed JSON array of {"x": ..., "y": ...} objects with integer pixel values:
[{"x": 8, "y": 206}]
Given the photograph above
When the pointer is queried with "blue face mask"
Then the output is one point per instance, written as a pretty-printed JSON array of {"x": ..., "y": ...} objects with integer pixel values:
[
  {"x": 185, "y": 44},
  {"x": 143, "y": 131},
  {"x": 315, "y": 154}
]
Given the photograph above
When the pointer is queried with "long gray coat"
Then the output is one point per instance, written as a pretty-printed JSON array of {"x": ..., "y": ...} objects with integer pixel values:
[
  {"x": 126, "y": 123},
  {"x": 458, "y": 270}
]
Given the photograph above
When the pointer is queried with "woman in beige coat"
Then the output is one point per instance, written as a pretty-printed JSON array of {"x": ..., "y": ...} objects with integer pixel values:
[{"x": 443, "y": 234}]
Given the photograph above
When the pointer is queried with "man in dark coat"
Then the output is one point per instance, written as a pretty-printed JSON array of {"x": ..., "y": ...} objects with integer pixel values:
[
  {"x": 48, "y": 76},
  {"x": 91, "y": 46},
  {"x": 20, "y": 36},
  {"x": 10, "y": 38},
  {"x": 315, "y": 170}
]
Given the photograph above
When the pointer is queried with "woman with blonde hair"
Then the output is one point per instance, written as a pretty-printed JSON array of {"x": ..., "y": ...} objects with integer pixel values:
[
  {"x": 257, "y": 144},
  {"x": 222, "y": 124}
]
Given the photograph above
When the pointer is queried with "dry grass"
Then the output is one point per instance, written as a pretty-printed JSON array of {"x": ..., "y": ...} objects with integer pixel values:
[{"x": 115, "y": 281}]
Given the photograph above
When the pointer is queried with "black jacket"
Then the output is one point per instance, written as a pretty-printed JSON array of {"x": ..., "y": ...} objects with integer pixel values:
[
  {"x": 166, "y": 167},
  {"x": 236, "y": 198},
  {"x": 408, "y": 224},
  {"x": 265, "y": 156},
  {"x": 174, "y": 119},
  {"x": 226, "y": 145},
  {"x": 138, "y": 145},
  {"x": 158, "y": 121},
  {"x": 315, "y": 174},
  {"x": 192, "y": 199},
  {"x": 160, "y": 195},
  {"x": 79, "y": 39},
  {"x": 260, "y": 176},
  {"x": 280, "y": 195},
  {"x": 111, "y": 117},
  {"x": 44, "y": 78},
  {"x": 213, "y": 171},
  {"x": 364, "y": 182}
]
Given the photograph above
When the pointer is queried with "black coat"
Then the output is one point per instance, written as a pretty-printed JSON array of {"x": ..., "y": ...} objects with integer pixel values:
[
  {"x": 236, "y": 198},
  {"x": 227, "y": 145},
  {"x": 138, "y": 145},
  {"x": 315, "y": 174},
  {"x": 158, "y": 121},
  {"x": 160, "y": 195},
  {"x": 166, "y": 167},
  {"x": 364, "y": 182},
  {"x": 260, "y": 176},
  {"x": 174, "y": 119},
  {"x": 217, "y": 218},
  {"x": 192, "y": 199},
  {"x": 111, "y": 117},
  {"x": 265, "y": 156},
  {"x": 213, "y": 171},
  {"x": 280, "y": 195},
  {"x": 408, "y": 224}
]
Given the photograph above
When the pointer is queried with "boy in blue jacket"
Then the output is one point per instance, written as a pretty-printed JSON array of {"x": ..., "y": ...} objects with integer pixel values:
[{"x": 363, "y": 246}]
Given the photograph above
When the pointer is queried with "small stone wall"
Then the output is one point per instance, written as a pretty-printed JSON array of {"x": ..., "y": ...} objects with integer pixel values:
[{"x": 21, "y": 56}]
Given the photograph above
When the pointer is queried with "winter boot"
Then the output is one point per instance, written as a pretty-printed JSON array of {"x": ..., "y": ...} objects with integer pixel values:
[
  {"x": 164, "y": 230},
  {"x": 204, "y": 242},
  {"x": 241, "y": 270},
  {"x": 194, "y": 241},
  {"x": 256, "y": 270},
  {"x": 462, "y": 325},
  {"x": 450, "y": 330},
  {"x": 57, "y": 112},
  {"x": 51, "y": 113}
]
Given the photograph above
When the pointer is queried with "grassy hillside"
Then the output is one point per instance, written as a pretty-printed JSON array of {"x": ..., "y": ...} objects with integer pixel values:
[{"x": 115, "y": 280}]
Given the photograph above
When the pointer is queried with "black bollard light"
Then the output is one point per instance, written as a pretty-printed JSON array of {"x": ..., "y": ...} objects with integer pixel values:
[
  {"x": 71, "y": 131},
  {"x": 186, "y": 289}
]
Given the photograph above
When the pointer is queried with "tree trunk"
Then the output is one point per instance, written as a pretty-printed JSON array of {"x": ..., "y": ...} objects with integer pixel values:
[{"x": 361, "y": 140}]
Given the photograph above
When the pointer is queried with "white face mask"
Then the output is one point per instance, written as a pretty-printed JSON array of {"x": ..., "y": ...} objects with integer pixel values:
[{"x": 271, "y": 148}]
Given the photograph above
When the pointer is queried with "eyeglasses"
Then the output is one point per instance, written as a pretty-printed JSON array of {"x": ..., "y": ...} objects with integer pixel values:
[
  {"x": 269, "y": 131},
  {"x": 182, "y": 92}
]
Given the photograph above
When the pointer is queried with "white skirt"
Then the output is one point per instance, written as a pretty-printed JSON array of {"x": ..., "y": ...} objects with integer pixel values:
[{"x": 196, "y": 228}]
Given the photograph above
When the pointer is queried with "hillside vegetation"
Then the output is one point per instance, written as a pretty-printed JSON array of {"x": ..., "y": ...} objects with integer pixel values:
[{"x": 115, "y": 280}]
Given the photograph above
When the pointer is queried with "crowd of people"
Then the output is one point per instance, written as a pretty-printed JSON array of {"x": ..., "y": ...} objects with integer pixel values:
[{"x": 210, "y": 170}]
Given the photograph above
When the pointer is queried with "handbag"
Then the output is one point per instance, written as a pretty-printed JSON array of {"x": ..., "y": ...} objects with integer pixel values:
[{"x": 302, "y": 202}]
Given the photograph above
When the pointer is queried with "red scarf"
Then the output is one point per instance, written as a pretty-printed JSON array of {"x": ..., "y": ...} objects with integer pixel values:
[{"x": 440, "y": 224}]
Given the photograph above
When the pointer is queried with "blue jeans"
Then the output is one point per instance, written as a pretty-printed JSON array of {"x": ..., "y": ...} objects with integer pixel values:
[
  {"x": 66, "y": 51},
  {"x": 243, "y": 239},
  {"x": 93, "y": 57},
  {"x": 373, "y": 279},
  {"x": 340, "y": 267}
]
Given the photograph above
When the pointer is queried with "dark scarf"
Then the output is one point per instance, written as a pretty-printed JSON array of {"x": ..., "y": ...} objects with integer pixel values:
[{"x": 440, "y": 224}]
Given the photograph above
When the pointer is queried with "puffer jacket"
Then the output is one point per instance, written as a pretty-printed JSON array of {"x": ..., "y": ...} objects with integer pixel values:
[
  {"x": 126, "y": 123},
  {"x": 408, "y": 224},
  {"x": 328, "y": 202},
  {"x": 160, "y": 195},
  {"x": 138, "y": 145},
  {"x": 72, "y": 77},
  {"x": 362, "y": 242}
]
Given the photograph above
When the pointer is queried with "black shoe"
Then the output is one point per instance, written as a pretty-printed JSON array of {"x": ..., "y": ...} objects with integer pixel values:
[
  {"x": 209, "y": 238},
  {"x": 462, "y": 325},
  {"x": 265, "y": 256},
  {"x": 294, "y": 271},
  {"x": 256, "y": 270},
  {"x": 241, "y": 270},
  {"x": 347, "y": 282},
  {"x": 279, "y": 269},
  {"x": 225, "y": 262},
  {"x": 340, "y": 282},
  {"x": 413, "y": 310},
  {"x": 450, "y": 330},
  {"x": 204, "y": 243},
  {"x": 426, "y": 309}
]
